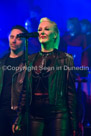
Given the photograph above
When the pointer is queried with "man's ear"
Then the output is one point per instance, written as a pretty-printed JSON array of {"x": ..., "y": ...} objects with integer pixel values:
[{"x": 8, "y": 36}]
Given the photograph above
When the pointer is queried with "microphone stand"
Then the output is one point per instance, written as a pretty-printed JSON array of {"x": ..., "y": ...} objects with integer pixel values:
[
  {"x": 26, "y": 36},
  {"x": 27, "y": 87}
]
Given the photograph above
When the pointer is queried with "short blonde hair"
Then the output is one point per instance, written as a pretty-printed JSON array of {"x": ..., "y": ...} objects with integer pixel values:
[{"x": 57, "y": 39}]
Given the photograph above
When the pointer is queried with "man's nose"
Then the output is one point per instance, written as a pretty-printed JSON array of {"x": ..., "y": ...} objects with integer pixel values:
[{"x": 14, "y": 39}]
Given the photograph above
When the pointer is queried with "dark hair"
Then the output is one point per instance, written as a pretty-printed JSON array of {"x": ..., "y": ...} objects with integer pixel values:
[
  {"x": 75, "y": 21},
  {"x": 36, "y": 9},
  {"x": 20, "y": 28},
  {"x": 85, "y": 21}
]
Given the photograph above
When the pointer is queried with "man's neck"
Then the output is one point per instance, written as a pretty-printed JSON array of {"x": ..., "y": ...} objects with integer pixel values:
[{"x": 15, "y": 55}]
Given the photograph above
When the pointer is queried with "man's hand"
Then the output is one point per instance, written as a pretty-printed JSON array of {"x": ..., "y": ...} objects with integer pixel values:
[
  {"x": 74, "y": 133},
  {"x": 15, "y": 128}
]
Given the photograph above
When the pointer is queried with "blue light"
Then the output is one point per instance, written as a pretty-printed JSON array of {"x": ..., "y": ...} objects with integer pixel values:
[
  {"x": 26, "y": 23},
  {"x": 74, "y": 55},
  {"x": 88, "y": 124}
]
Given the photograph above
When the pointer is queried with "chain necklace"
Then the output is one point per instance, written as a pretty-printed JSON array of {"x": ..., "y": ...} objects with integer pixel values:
[{"x": 44, "y": 57}]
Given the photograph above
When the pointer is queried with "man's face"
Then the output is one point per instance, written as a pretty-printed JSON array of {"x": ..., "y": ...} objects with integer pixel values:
[
  {"x": 70, "y": 27},
  {"x": 84, "y": 28},
  {"x": 15, "y": 43}
]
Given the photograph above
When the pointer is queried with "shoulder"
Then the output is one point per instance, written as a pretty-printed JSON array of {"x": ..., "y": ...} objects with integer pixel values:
[
  {"x": 4, "y": 58},
  {"x": 30, "y": 57},
  {"x": 69, "y": 56},
  {"x": 66, "y": 58},
  {"x": 64, "y": 55}
]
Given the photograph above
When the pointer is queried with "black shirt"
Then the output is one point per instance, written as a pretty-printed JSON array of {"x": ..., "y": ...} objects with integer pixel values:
[{"x": 11, "y": 64}]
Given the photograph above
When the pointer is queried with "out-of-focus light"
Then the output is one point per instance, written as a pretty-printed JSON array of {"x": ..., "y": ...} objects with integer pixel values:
[
  {"x": 26, "y": 23},
  {"x": 74, "y": 56},
  {"x": 88, "y": 124}
]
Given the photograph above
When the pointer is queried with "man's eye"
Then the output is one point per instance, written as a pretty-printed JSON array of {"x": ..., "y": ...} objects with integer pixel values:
[
  {"x": 11, "y": 37},
  {"x": 18, "y": 38}
]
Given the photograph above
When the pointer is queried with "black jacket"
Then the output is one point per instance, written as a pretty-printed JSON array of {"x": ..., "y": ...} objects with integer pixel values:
[{"x": 62, "y": 92}]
